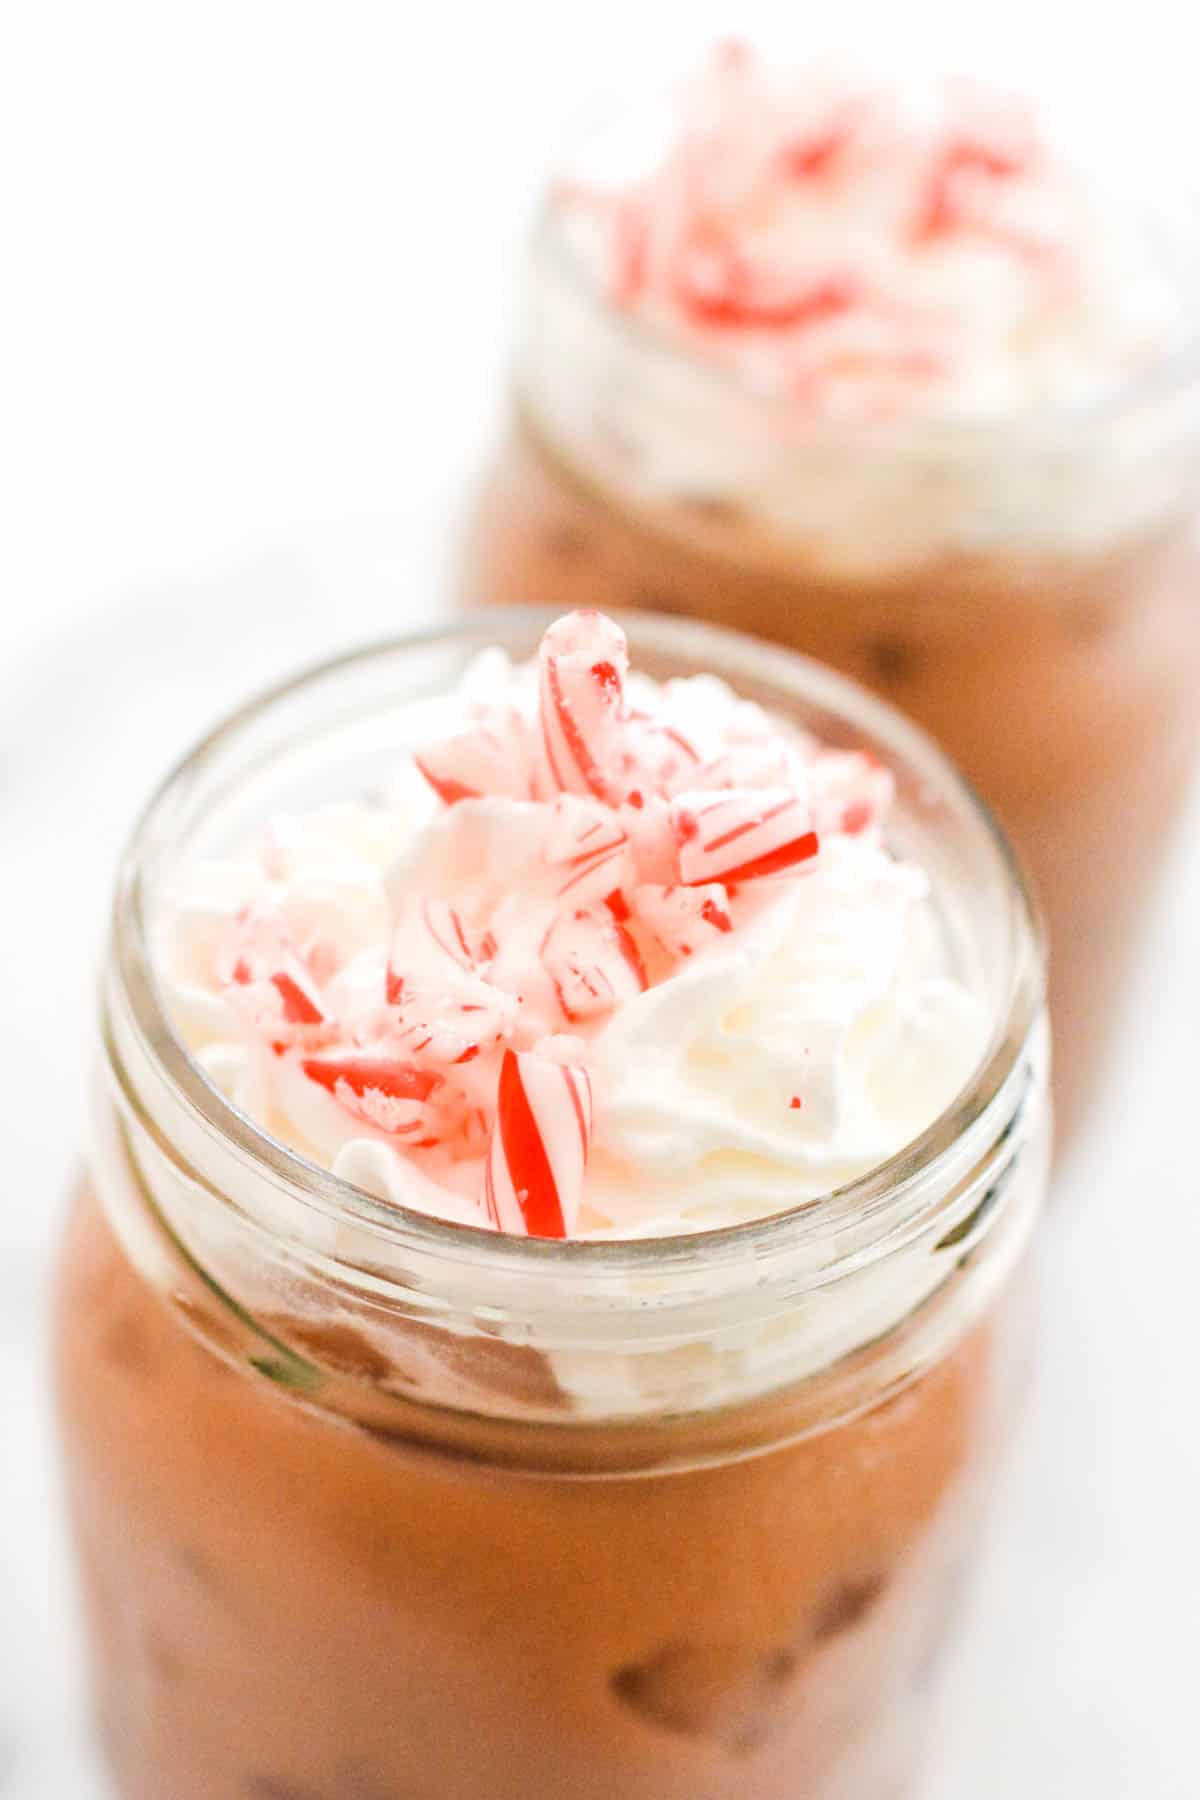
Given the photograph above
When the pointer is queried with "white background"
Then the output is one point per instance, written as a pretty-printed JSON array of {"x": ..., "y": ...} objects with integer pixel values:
[{"x": 255, "y": 272}]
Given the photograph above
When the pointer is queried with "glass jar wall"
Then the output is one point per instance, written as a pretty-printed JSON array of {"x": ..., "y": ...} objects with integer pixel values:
[{"x": 367, "y": 1504}]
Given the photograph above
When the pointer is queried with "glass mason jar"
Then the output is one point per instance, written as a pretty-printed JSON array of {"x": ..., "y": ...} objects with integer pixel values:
[
  {"x": 367, "y": 1504},
  {"x": 1026, "y": 591}
]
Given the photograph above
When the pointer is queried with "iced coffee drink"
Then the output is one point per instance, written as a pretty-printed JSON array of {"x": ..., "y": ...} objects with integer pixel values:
[
  {"x": 896, "y": 378},
  {"x": 547, "y": 1301}
]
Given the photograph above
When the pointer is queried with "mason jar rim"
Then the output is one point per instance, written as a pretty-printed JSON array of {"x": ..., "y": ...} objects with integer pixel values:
[{"x": 886, "y": 1206}]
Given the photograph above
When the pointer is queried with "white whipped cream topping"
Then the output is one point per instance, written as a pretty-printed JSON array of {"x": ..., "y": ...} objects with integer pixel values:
[
  {"x": 721, "y": 329},
  {"x": 782, "y": 1058}
]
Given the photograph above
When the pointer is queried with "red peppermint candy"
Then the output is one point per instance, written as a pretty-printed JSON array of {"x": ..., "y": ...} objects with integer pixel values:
[
  {"x": 741, "y": 835},
  {"x": 652, "y": 841},
  {"x": 684, "y": 919},
  {"x": 849, "y": 791},
  {"x": 716, "y": 285},
  {"x": 442, "y": 1007},
  {"x": 588, "y": 849},
  {"x": 273, "y": 986},
  {"x": 391, "y": 1095},
  {"x": 298, "y": 995},
  {"x": 429, "y": 945},
  {"x": 533, "y": 1181},
  {"x": 493, "y": 757},
  {"x": 584, "y": 659},
  {"x": 450, "y": 1032},
  {"x": 988, "y": 147},
  {"x": 593, "y": 961},
  {"x": 813, "y": 155},
  {"x": 654, "y": 757}
]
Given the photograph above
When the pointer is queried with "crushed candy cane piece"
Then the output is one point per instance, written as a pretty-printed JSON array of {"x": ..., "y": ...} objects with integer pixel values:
[
  {"x": 593, "y": 962},
  {"x": 583, "y": 663},
  {"x": 533, "y": 1181},
  {"x": 588, "y": 848},
  {"x": 849, "y": 791},
  {"x": 826, "y": 235},
  {"x": 494, "y": 757},
  {"x": 683, "y": 920},
  {"x": 392, "y": 1096},
  {"x": 741, "y": 835}
]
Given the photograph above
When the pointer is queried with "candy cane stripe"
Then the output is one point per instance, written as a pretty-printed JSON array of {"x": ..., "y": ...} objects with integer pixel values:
[
  {"x": 491, "y": 1202},
  {"x": 593, "y": 962},
  {"x": 548, "y": 743},
  {"x": 683, "y": 919},
  {"x": 539, "y": 1146},
  {"x": 593, "y": 781},
  {"x": 298, "y": 1007},
  {"x": 528, "y": 1166},
  {"x": 448, "y": 788},
  {"x": 581, "y": 702},
  {"x": 576, "y": 1080},
  {"x": 361, "y": 1074},
  {"x": 491, "y": 758},
  {"x": 775, "y": 862},
  {"x": 741, "y": 835},
  {"x": 753, "y": 824},
  {"x": 589, "y": 865},
  {"x": 445, "y": 928}
]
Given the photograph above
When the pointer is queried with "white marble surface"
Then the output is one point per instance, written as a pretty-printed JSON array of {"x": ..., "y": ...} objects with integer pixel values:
[{"x": 230, "y": 322}]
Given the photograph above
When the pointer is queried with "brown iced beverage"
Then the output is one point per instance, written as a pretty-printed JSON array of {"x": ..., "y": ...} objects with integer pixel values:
[
  {"x": 915, "y": 399},
  {"x": 661, "y": 1488}
]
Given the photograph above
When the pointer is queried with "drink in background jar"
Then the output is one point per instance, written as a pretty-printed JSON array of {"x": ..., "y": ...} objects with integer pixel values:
[{"x": 905, "y": 379}]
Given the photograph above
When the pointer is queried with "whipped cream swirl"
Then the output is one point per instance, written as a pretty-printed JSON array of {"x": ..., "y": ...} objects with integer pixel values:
[{"x": 612, "y": 959}]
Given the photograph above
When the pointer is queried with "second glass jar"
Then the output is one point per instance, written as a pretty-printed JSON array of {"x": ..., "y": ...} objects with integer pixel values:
[{"x": 1026, "y": 591}]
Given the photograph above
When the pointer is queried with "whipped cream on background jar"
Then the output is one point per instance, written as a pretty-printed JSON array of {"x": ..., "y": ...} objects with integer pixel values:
[
  {"x": 902, "y": 374},
  {"x": 680, "y": 1513}
]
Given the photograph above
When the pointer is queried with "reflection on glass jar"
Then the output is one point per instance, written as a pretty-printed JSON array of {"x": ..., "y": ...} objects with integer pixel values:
[
  {"x": 1008, "y": 554},
  {"x": 368, "y": 1504}
]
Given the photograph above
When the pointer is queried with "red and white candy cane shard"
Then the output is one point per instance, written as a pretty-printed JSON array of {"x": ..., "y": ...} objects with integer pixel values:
[
  {"x": 849, "y": 790},
  {"x": 447, "y": 1030},
  {"x": 301, "y": 1006},
  {"x": 588, "y": 849},
  {"x": 593, "y": 962},
  {"x": 741, "y": 835},
  {"x": 716, "y": 285},
  {"x": 493, "y": 757},
  {"x": 816, "y": 153},
  {"x": 391, "y": 1095},
  {"x": 429, "y": 945},
  {"x": 654, "y": 757},
  {"x": 275, "y": 989},
  {"x": 652, "y": 841},
  {"x": 446, "y": 932},
  {"x": 533, "y": 1181},
  {"x": 684, "y": 919},
  {"x": 443, "y": 1009},
  {"x": 985, "y": 145},
  {"x": 581, "y": 694}
]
